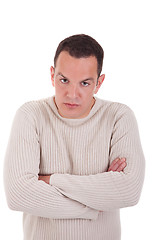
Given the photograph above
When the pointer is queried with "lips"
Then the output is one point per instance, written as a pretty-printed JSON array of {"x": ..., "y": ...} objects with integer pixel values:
[{"x": 71, "y": 105}]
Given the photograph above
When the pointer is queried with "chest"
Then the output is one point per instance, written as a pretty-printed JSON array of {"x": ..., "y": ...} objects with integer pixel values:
[{"x": 76, "y": 150}]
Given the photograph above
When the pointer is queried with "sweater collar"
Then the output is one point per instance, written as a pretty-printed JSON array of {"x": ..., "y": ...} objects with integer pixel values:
[{"x": 74, "y": 121}]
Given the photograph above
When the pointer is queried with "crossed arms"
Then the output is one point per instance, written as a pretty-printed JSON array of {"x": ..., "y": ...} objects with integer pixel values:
[
  {"x": 72, "y": 196},
  {"x": 117, "y": 166}
]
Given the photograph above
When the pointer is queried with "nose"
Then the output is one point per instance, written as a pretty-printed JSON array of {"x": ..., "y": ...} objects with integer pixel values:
[{"x": 72, "y": 91}]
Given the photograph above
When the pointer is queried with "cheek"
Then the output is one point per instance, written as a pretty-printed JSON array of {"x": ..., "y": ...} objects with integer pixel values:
[
  {"x": 59, "y": 90},
  {"x": 90, "y": 93},
  {"x": 87, "y": 99}
]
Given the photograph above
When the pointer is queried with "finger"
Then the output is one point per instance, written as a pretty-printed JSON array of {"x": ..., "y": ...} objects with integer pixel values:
[
  {"x": 113, "y": 163},
  {"x": 121, "y": 167},
  {"x": 116, "y": 164},
  {"x": 40, "y": 177},
  {"x": 123, "y": 159}
]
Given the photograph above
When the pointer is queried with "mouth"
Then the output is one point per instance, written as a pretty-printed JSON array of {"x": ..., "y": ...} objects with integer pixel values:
[{"x": 71, "y": 105}]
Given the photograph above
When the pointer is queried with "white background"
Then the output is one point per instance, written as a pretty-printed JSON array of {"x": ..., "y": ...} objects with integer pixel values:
[{"x": 129, "y": 32}]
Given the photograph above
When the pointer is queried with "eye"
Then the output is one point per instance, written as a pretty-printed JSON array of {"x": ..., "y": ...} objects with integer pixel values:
[
  {"x": 85, "y": 84},
  {"x": 64, "y": 80}
]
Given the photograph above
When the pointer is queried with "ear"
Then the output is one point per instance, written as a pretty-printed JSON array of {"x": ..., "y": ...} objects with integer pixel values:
[
  {"x": 52, "y": 75},
  {"x": 100, "y": 81}
]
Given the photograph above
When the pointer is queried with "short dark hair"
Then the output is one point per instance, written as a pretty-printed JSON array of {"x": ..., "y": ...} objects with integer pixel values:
[{"x": 79, "y": 46}]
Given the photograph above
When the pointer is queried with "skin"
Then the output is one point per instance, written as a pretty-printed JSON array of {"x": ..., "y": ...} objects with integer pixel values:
[
  {"x": 117, "y": 165},
  {"x": 76, "y": 81}
]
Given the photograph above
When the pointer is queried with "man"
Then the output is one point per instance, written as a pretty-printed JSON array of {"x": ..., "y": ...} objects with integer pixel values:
[{"x": 73, "y": 160}]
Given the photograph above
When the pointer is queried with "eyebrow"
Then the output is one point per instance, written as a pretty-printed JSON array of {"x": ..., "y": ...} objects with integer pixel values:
[{"x": 87, "y": 79}]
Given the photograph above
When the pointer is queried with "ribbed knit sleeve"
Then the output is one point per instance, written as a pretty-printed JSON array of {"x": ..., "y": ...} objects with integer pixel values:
[
  {"x": 24, "y": 192},
  {"x": 111, "y": 190}
]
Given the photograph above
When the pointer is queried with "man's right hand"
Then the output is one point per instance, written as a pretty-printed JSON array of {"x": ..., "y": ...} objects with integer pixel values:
[{"x": 117, "y": 165}]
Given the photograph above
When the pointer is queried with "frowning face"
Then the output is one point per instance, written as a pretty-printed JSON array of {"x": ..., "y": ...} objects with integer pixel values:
[{"x": 75, "y": 82}]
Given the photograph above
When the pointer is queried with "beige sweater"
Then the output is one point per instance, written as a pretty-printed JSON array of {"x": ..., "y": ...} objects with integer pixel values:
[{"x": 82, "y": 201}]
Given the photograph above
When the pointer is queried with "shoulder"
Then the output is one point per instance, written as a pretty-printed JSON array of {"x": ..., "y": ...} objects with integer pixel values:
[
  {"x": 117, "y": 114},
  {"x": 33, "y": 110},
  {"x": 115, "y": 109},
  {"x": 34, "y": 105}
]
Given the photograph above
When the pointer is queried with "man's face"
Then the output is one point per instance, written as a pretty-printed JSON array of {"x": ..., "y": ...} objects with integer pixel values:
[{"x": 75, "y": 82}]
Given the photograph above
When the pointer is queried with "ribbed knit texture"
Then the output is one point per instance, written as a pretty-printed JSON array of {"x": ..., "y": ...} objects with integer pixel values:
[{"x": 82, "y": 201}]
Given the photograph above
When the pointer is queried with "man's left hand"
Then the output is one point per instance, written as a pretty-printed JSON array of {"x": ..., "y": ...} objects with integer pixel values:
[{"x": 117, "y": 165}]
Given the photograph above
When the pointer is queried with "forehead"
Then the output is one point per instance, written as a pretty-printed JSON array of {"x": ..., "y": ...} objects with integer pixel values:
[{"x": 68, "y": 65}]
